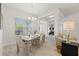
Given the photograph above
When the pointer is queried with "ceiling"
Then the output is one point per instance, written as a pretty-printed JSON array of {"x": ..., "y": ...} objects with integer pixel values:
[{"x": 38, "y": 9}]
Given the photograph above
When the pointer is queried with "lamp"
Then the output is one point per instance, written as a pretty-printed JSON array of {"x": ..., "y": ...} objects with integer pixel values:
[
  {"x": 69, "y": 26},
  {"x": 32, "y": 18}
]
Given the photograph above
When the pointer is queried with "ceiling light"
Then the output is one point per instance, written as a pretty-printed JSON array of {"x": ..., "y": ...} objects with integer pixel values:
[
  {"x": 34, "y": 18},
  {"x": 29, "y": 18},
  {"x": 51, "y": 16},
  {"x": 33, "y": 5}
]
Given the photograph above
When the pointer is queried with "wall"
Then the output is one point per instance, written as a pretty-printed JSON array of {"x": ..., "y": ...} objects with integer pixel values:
[
  {"x": 9, "y": 15},
  {"x": 35, "y": 25},
  {"x": 1, "y": 37},
  {"x": 75, "y": 18},
  {"x": 0, "y": 15},
  {"x": 58, "y": 21},
  {"x": 44, "y": 27}
]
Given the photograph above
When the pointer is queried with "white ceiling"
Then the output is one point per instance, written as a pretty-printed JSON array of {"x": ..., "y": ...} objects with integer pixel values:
[{"x": 38, "y": 9}]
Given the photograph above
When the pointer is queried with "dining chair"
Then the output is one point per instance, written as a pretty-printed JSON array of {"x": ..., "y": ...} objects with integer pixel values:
[
  {"x": 42, "y": 39},
  {"x": 23, "y": 47}
]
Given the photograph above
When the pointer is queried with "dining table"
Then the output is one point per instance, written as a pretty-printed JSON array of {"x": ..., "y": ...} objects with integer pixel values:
[{"x": 32, "y": 41}]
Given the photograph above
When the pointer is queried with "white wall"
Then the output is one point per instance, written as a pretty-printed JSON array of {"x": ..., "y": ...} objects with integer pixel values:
[
  {"x": 44, "y": 27},
  {"x": 58, "y": 21},
  {"x": 1, "y": 37},
  {"x": 75, "y": 18},
  {"x": 9, "y": 15},
  {"x": 35, "y": 25}
]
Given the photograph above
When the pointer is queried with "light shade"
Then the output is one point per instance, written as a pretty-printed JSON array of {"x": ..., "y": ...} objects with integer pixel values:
[
  {"x": 29, "y": 18},
  {"x": 68, "y": 25},
  {"x": 32, "y": 18}
]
